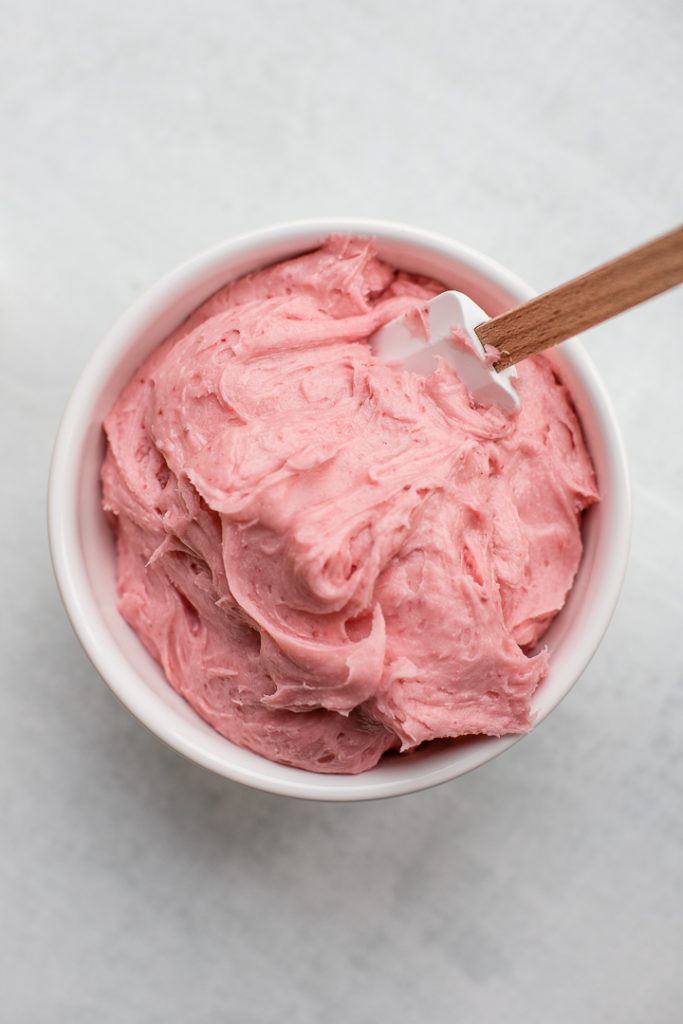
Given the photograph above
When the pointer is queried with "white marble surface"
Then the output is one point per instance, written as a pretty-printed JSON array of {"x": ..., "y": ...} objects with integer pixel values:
[{"x": 137, "y": 887}]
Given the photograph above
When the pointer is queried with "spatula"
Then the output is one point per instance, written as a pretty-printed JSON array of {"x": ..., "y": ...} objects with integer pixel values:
[{"x": 453, "y": 327}]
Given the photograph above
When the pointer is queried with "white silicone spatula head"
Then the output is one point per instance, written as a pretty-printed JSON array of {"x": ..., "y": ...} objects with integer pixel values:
[{"x": 445, "y": 328}]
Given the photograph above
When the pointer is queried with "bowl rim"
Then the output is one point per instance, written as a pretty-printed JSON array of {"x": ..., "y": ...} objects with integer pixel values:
[{"x": 63, "y": 510}]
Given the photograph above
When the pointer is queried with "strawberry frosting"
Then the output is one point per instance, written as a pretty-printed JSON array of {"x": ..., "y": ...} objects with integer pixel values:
[{"x": 332, "y": 558}]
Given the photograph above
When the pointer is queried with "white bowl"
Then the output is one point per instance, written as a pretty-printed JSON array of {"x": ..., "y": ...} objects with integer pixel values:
[{"x": 82, "y": 545}]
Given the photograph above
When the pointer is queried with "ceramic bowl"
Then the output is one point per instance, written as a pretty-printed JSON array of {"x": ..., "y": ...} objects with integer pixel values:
[{"x": 82, "y": 544}]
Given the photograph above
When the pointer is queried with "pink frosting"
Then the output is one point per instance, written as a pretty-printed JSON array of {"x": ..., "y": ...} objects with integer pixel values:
[{"x": 329, "y": 557}]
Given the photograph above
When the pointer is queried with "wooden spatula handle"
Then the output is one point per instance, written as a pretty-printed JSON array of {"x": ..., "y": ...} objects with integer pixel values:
[{"x": 586, "y": 301}]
